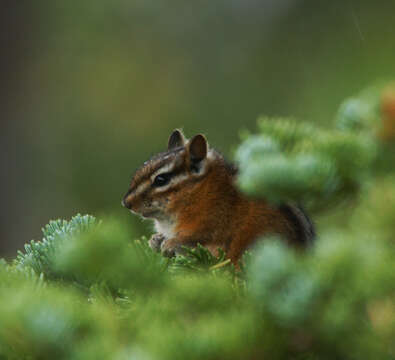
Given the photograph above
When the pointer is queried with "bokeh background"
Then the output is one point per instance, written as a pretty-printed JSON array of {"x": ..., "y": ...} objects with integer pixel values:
[{"x": 90, "y": 89}]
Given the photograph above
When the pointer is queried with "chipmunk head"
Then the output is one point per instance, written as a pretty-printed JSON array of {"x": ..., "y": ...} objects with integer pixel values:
[{"x": 169, "y": 178}]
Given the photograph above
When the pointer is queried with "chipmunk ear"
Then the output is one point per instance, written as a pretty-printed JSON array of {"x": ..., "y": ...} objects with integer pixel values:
[
  {"x": 198, "y": 148},
  {"x": 176, "y": 139}
]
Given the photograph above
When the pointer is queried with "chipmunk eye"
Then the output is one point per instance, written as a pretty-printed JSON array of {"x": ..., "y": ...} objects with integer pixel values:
[{"x": 162, "y": 180}]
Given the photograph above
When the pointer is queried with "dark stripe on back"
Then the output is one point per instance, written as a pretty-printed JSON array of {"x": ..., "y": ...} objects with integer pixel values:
[{"x": 303, "y": 226}]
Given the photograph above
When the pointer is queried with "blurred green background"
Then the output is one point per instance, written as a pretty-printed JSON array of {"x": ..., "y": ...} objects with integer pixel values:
[{"x": 90, "y": 89}]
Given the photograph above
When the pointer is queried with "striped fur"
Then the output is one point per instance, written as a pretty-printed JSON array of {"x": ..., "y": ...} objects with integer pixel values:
[
  {"x": 304, "y": 227},
  {"x": 200, "y": 203}
]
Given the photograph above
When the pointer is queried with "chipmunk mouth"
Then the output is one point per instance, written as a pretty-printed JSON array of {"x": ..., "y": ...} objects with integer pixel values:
[{"x": 150, "y": 214}]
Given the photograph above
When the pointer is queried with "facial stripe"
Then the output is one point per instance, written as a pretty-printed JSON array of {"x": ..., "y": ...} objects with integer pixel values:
[
  {"x": 169, "y": 167},
  {"x": 175, "y": 181},
  {"x": 142, "y": 188},
  {"x": 181, "y": 175},
  {"x": 145, "y": 173},
  {"x": 154, "y": 164},
  {"x": 174, "y": 162}
]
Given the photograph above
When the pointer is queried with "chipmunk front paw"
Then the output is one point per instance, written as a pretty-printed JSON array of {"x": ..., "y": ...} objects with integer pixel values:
[
  {"x": 170, "y": 248},
  {"x": 156, "y": 241}
]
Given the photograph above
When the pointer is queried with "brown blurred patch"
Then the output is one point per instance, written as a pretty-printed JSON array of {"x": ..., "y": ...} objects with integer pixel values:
[
  {"x": 382, "y": 315},
  {"x": 387, "y": 132}
]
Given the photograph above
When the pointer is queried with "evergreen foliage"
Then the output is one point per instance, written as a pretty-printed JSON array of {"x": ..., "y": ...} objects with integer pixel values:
[
  {"x": 91, "y": 290},
  {"x": 39, "y": 255},
  {"x": 299, "y": 162}
]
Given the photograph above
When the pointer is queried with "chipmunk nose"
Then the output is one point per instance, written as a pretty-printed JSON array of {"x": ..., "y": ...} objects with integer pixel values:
[{"x": 127, "y": 204}]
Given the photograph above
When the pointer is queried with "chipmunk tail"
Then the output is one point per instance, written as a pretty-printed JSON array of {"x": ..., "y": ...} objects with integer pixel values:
[{"x": 303, "y": 225}]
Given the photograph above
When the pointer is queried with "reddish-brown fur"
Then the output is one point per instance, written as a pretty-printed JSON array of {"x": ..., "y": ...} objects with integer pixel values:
[
  {"x": 219, "y": 216},
  {"x": 204, "y": 206}
]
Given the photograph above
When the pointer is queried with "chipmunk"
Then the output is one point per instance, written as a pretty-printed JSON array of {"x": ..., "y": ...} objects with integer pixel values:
[{"x": 190, "y": 193}]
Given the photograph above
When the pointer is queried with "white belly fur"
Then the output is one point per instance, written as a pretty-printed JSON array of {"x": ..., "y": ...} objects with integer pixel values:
[{"x": 165, "y": 227}]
